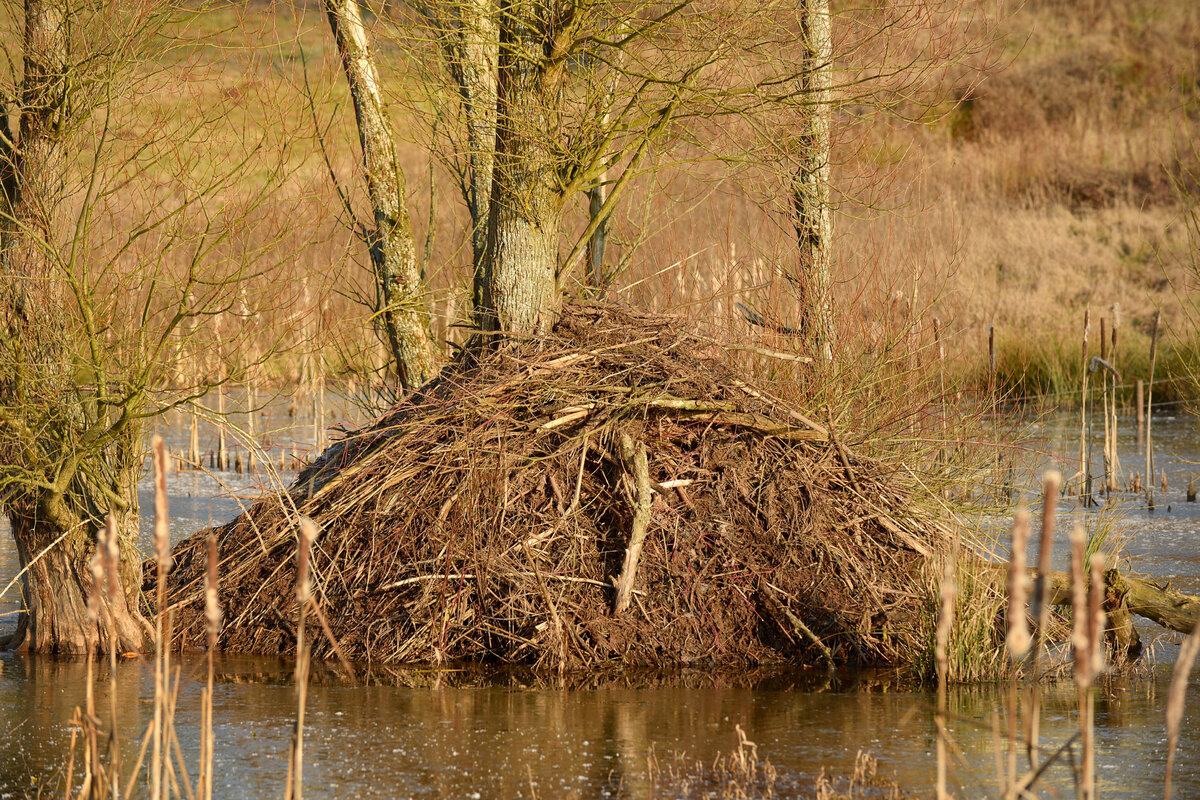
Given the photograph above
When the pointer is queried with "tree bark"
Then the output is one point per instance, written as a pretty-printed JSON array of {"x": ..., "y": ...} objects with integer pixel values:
[
  {"x": 521, "y": 294},
  {"x": 58, "y": 503},
  {"x": 810, "y": 188},
  {"x": 472, "y": 47},
  {"x": 57, "y": 587},
  {"x": 392, "y": 248}
]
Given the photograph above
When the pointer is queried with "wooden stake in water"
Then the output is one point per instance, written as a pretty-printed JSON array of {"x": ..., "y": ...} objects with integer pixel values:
[{"x": 1150, "y": 414}]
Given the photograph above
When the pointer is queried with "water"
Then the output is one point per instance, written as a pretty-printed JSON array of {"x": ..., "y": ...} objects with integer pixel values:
[{"x": 418, "y": 734}]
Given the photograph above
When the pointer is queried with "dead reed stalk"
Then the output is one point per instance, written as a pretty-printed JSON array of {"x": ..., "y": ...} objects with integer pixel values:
[
  {"x": 1051, "y": 482},
  {"x": 308, "y": 535},
  {"x": 948, "y": 592},
  {"x": 1018, "y": 639},
  {"x": 1085, "y": 469},
  {"x": 1150, "y": 413},
  {"x": 1175, "y": 700},
  {"x": 162, "y": 550}
]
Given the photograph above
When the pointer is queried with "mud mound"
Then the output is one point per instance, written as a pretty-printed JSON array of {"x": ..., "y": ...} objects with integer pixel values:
[{"x": 489, "y": 518}]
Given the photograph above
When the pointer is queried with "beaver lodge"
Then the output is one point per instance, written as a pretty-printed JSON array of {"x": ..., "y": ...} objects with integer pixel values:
[{"x": 616, "y": 492}]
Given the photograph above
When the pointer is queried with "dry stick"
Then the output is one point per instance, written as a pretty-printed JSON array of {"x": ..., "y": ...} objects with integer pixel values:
[
  {"x": 1175, "y": 699},
  {"x": 1050, "y": 487},
  {"x": 637, "y": 464},
  {"x": 1150, "y": 414},
  {"x": 308, "y": 534},
  {"x": 1084, "y": 466},
  {"x": 162, "y": 549},
  {"x": 1018, "y": 631},
  {"x": 945, "y": 623}
]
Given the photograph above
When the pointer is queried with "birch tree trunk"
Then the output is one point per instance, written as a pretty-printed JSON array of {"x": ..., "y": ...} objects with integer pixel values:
[
  {"x": 521, "y": 295},
  {"x": 810, "y": 189},
  {"x": 54, "y": 432},
  {"x": 392, "y": 248}
]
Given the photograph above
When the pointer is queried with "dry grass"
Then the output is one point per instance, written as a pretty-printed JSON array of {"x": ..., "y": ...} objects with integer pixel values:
[{"x": 1046, "y": 191}]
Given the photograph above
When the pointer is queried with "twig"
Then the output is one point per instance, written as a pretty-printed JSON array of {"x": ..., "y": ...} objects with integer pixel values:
[{"x": 637, "y": 464}]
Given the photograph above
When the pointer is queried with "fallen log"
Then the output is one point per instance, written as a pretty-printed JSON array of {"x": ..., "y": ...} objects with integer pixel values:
[{"x": 1163, "y": 605}]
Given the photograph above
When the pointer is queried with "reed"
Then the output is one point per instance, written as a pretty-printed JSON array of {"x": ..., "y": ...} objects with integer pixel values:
[
  {"x": 1085, "y": 469},
  {"x": 1150, "y": 413},
  {"x": 1176, "y": 697},
  {"x": 945, "y": 625},
  {"x": 162, "y": 645},
  {"x": 308, "y": 535},
  {"x": 1114, "y": 455},
  {"x": 1051, "y": 482},
  {"x": 212, "y": 612},
  {"x": 1018, "y": 639}
]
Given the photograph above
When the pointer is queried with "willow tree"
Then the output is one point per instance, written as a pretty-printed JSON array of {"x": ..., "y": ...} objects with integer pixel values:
[{"x": 115, "y": 229}]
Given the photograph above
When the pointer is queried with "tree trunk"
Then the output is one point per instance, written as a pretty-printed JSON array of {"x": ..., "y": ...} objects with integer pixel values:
[
  {"x": 392, "y": 248},
  {"x": 472, "y": 45},
  {"x": 810, "y": 188},
  {"x": 55, "y": 506},
  {"x": 521, "y": 294},
  {"x": 57, "y": 586}
]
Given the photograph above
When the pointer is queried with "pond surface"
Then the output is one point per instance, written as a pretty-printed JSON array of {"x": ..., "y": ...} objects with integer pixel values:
[{"x": 425, "y": 734}]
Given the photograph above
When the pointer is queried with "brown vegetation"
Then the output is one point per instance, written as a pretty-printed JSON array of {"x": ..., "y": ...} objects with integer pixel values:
[{"x": 486, "y": 518}]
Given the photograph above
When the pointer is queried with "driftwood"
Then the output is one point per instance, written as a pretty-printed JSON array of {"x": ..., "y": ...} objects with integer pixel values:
[{"x": 1159, "y": 603}]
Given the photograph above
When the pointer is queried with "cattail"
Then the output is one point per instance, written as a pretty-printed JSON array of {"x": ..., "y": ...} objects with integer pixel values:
[
  {"x": 308, "y": 534},
  {"x": 212, "y": 608},
  {"x": 99, "y": 584},
  {"x": 112, "y": 556},
  {"x": 162, "y": 530},
  {"x": 1175, "y": 699},
  {"x": 1096, "y": 616},
  {"x": 945, "y": 618},
  {"x": 1018, "y": 627},
  {"x": 1079, "y": 604}
]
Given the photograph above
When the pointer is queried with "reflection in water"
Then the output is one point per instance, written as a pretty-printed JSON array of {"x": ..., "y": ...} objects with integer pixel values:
[
  {"x": 491, "y": 741},
  {"x": 428, "y": 738}
]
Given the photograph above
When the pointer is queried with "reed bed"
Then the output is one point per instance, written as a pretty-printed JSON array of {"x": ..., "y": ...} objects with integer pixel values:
[{"x": 495, "y": 516}]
